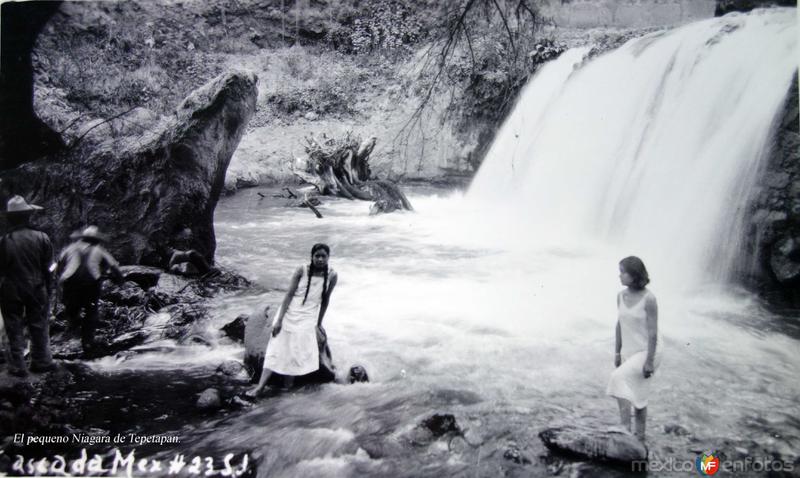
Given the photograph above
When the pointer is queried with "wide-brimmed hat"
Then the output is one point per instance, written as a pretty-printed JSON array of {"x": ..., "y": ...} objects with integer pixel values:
[
  {"x": 18, "y": 205},
  {"x": 93, "y": 233}
]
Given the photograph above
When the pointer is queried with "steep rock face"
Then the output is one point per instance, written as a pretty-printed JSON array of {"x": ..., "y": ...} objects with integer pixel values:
[
  {"x": 153, "y": 192},
  {"x": 772, "y": 245}
]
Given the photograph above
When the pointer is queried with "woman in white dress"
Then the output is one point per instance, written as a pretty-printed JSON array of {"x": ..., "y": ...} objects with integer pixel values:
[
  {"x": 637, "y": 344},
  {"x": 293, "y": 349}
]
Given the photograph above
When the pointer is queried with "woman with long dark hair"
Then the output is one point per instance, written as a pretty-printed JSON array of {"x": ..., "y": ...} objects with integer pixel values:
[
  {"x": 637, "y": 344},
  {"x": 293, "y": 349}
]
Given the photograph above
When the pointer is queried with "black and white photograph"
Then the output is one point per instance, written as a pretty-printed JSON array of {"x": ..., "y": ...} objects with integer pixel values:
[{"x": 399, "y": 238}]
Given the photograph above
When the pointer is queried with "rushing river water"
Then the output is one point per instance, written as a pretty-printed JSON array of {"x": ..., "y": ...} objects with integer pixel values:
[
  {"x": 510, "y": 336},
  {"x": 498, "y": 306}
]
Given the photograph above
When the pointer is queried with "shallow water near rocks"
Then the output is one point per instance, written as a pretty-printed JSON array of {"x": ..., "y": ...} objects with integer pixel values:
[{"x": 508, "y": 339}]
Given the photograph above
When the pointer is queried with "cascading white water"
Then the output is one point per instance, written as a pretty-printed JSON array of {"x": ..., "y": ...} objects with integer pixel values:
[{"x": 652, "y": 147}]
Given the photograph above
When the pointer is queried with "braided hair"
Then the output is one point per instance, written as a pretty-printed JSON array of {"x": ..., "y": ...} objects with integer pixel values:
[{"x": 312, "y": 269}]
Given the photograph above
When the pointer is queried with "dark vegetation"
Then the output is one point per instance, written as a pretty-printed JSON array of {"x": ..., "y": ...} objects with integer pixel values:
[{"x": 151, "y": 54}]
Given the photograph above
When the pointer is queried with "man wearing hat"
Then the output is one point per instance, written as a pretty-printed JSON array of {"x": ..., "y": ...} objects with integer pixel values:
[
  {"x": 81, "y": 268},
  {"x": 25, "y": 258}
]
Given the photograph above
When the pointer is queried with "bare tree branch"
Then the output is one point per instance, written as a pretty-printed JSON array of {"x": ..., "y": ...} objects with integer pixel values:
[
  {"x": 79, "y": 138},
  {"x": 444, "y": 54},
  {"x": 523, "y": 5},
  {"x": 462, "y": 25},
  {"x": 508, "y": 29}
]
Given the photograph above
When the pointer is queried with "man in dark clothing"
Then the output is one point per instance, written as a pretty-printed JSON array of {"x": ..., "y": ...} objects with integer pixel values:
[
  {"x": 81, "y": 268},
  {"x": 25, "y": 258}
]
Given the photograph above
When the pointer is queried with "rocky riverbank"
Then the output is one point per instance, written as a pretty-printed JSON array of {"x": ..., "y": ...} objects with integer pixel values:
[{"x": 151, "y": 308}]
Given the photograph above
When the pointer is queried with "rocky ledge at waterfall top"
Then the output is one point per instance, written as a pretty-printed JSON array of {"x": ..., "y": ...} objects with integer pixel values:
[{"x": 151, "y": 190}]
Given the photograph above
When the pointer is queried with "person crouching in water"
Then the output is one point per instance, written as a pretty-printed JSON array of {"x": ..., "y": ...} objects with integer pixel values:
[
  {"x": 81, "y": 268},
  {"x": 293, "y": 349},
  {"x": 638, "y": 347}
]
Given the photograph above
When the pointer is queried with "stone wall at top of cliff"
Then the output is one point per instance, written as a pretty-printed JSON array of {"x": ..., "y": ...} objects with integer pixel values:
[{"x": 626, "y": 13}]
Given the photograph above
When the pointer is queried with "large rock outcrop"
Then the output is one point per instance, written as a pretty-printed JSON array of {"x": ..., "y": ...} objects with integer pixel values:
[
  {"x": 772, "y": 243},
  {"x": 257, "y": 332},
  {"x": 152, "y": 192}
]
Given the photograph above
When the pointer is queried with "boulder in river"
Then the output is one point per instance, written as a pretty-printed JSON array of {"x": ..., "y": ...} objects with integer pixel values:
[
  {"x": 209, "y": 400},
  {"x": 145, "y": 276},
  {"x": 441, "y": 424},
  {"x": 785, "y": 259},
  {"x": 594, "y": 444},
  {"x": 432, "y": 428},
  {"x": 235, "y": 329},
  {"x": 357, "y": 374},
  {"x": 514, "y": 454},
  {"x": 257, "y": 333},
  {"x": 231, "y": 368}
]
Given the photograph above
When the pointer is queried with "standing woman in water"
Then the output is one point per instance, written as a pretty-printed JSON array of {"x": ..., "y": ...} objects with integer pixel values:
[
  {"x": 293, "y": 349},
  {"x": 637, "y": 344}
]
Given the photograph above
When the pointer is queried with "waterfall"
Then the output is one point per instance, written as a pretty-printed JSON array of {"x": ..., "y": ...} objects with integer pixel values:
[{"x": 652, "y": 148}]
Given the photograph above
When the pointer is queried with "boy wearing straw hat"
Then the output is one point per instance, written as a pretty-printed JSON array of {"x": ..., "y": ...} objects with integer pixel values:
[{"x": 25, "y": 258}]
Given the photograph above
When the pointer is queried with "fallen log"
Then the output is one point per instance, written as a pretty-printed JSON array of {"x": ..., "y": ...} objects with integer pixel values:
[
  {"x": 307, "y": 202},
  {"x": 313, "y": 209}
]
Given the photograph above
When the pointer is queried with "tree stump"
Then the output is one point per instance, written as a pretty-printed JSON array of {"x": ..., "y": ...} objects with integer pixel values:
[{"x": 340, "y": 167}]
